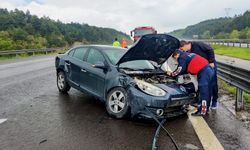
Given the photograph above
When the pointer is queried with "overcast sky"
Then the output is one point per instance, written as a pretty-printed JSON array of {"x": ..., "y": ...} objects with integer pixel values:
[{"x": 124, "y": 15}]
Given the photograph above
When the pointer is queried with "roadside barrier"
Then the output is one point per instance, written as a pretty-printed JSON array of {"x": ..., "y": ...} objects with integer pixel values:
[
  {"x": 238, "y": 77},
  {"x": 28, "y": 51},
  {"x": 226, "y": 42}
]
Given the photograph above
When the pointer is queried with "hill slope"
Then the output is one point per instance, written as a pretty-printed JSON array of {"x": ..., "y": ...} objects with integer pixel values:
[
  {"x": 21, "y": 30},
  {"x": 236, "y": 27}
]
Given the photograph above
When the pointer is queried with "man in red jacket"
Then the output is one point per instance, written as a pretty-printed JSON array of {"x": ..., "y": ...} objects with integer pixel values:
[
  {"x": 207, "y": 52},
  {"x": 196, "y": 65}
]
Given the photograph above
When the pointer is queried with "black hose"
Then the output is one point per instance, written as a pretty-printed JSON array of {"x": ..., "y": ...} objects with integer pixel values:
[
  {"x": 156, "y": 136},
  {"x": 154, "y": 147}
]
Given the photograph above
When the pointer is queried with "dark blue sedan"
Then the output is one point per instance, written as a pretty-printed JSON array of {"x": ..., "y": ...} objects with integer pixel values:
[{"x": 126, "y": 80}]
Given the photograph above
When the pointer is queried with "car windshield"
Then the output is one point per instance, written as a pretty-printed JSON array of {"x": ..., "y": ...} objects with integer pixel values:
[
  {"x": 115, "y": 54},
  {"x": 138, "y": 65},
  {"x": 142, "y": 32}
]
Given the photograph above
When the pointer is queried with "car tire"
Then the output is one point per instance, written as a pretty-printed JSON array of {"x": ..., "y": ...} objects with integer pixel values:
[
  {"x": 117, "y": 103},
  {"x": 62, "y": 83}
]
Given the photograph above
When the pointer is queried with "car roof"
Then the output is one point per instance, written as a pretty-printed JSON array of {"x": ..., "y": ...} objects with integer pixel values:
[{"x": 100, "y": 47}]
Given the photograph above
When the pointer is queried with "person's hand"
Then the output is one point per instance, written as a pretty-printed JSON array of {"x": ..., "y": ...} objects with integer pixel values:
[
  {"x": 212, "y": 65},
  {"x": 168, "y": 73}
]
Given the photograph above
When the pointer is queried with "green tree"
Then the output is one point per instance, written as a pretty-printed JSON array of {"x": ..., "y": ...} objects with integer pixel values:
[
  {"x": 235, "y": 34},
  {"x": 206, "y": 35},
  {"x": 19, "y": 34},
  {"x": 6, "y": 42},
  {"x": 29, "y": 29},
  {"x": 222, "y": 35},
  {"x": 23, "y": 30},
  {"x": 248, "y": 33},
  {"x": 40, "y": 42},
  {"x": 55, "y": 40}
]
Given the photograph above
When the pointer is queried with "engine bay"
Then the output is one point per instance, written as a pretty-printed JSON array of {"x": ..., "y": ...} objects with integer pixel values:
[{"x": 156, "y": 79}]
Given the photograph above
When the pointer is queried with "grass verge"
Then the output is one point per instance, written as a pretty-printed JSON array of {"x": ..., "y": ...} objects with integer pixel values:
[
  {"x": 232, "y": 90},
  {"x": 237, "y": 52}
]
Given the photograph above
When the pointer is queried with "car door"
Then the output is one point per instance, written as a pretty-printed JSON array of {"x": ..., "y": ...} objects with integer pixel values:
[
  {"x": 67, "y": 66},
  {"x": 95, "y": 80},
  {"x": 75, "y": 64}
]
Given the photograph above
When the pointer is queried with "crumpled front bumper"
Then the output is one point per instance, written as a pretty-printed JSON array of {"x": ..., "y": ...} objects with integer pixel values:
[{"x": 172, "y": 106}]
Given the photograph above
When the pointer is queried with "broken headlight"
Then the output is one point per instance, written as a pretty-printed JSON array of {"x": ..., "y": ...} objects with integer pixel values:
[{"x": 149, "y": 88}]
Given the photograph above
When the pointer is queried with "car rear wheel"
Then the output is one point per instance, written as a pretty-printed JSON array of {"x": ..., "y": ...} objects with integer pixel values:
[
  {"x": 117, "y": 104},
  {"x": 62, "y": 84}
]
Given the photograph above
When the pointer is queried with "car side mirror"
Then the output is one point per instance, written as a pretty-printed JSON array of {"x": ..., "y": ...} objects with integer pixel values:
[{"x": 100, "y": 65}]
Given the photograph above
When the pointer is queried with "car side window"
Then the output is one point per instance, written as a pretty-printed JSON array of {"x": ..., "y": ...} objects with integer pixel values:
[
  {"x": 80, "y": 52},
  {"x": 95, "y": 56},
  {"x": 71, "y": 53}
]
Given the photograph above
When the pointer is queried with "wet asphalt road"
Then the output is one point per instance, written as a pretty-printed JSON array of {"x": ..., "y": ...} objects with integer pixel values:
[{"x": 39, "y": 117}]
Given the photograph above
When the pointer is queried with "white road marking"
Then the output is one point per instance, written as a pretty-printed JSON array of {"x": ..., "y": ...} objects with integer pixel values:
[
  {"x": 208, "y": 140},
  {"x": 3, "y": 120}
]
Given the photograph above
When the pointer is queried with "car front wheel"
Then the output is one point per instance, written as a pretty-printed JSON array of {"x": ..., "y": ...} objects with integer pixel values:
[
  {"x": 62, "y": 84},
  {"x": 117, "y": 104}
]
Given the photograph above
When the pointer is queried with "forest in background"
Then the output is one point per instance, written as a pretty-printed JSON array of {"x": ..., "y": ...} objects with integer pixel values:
[
  {"x": 237, "y": 27},
  {"x": 21, "y": 30}
]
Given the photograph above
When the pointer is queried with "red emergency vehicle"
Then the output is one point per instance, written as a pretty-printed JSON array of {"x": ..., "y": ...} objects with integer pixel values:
[{"x": 140, "y": 31}]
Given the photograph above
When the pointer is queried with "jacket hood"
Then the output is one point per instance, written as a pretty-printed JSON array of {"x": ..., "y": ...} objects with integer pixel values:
[{"x": 154, "y": 47}]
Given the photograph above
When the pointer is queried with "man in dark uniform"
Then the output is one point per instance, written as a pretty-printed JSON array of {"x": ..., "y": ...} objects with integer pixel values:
[
  {"x": 207, "y": 52},
  {"x": 196, "y": 65}
]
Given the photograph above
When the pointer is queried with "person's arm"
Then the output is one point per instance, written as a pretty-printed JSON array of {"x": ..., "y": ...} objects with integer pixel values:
[
  {"x": 181, "y": 69},
  {"x": 209, "y": 51}
]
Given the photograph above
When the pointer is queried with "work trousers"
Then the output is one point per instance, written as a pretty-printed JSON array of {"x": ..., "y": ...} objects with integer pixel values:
[{"x": 205, "y": 85}]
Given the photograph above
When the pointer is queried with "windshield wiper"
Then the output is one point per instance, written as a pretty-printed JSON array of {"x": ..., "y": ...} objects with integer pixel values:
[
  {"x": 146, "y": 69},
  {"x": 126, "y": 68},
  {"x": 133, "y": 69}
]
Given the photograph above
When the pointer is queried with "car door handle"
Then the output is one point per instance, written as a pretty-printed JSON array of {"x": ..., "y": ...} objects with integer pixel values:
[
  {"x": 67, "y": 63},
  {"x": 83, "y": 70}
]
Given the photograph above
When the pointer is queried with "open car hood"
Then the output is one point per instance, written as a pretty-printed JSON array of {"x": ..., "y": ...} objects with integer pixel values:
[{"x": 154, "y": 47}]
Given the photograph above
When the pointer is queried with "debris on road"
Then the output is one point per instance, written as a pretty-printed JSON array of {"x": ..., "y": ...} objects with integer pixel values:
[
  {"x": 43, "y": 141},
  {"x": 191, "y": 147},
  {"x": 3, "y": 120}
]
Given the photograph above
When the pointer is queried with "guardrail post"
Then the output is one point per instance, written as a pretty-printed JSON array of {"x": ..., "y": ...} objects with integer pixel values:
[
  {"x": 227, "y": 43},
  {"x": 247, "y": 45},
  {"x": 233, "y": 44},
  {"x": 240, "y": 44},
  {"x": 239, "y": 100}
]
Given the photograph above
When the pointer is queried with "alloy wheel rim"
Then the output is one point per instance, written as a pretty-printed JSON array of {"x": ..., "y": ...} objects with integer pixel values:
[
  {"x": 60, "y": 81},
  {"x": 117, "y": 102}
]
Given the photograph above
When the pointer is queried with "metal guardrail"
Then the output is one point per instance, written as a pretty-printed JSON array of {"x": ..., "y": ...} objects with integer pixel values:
[
  {"x": 32, "y": 51},
  {"x": 238, "y": 77},
  {"x": 227, "y": 42}
]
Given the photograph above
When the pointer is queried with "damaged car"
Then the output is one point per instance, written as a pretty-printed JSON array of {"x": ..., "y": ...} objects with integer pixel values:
[{"x": 126, "y": 79}]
